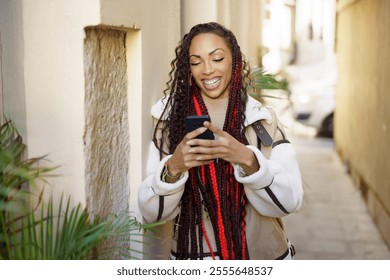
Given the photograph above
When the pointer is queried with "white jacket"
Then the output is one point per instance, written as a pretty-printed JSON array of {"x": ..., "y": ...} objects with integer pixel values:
[{"x": 274, "y": 191}]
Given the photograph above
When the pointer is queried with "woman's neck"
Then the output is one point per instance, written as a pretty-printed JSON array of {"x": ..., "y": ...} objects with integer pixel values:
[
  {"x": 217, "y": 110},
  {"x": 216, "y": 105}
]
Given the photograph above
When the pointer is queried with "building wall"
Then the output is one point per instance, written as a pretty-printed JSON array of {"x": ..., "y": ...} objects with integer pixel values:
[
  {"x": 153, "y": 31},
  {"x": 194, "y": 12},
  {"x": 242, "y": 17},
  {"x": 245, "y": 21},
  {"x": 12, "y": 55},
  {"x": 362, "y": 117},
  {"x": 43, "y": 82},
  {"x": 1, "y": 77},
  {"x": 79, "y": 79}
]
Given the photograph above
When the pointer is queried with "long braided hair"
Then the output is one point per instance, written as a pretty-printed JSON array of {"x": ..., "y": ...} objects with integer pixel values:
[{"x": 212, "y": 186}]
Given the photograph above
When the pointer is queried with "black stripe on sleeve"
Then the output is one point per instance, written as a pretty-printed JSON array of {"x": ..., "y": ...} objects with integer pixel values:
[
  {"x": 275, "y": 200},
  {"x": 160, "y": 207}
]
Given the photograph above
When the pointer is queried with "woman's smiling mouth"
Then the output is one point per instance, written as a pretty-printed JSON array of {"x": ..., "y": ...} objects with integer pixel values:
[{"x": 213, "y": 83}]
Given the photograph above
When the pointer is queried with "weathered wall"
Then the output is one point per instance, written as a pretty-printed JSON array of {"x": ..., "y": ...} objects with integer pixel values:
[
  {"x": 362, "y": 118},
  {"x": 106, "y": 139}
]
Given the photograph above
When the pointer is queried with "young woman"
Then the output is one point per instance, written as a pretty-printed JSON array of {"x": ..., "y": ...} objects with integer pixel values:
[{"x": 225, "y": 195}]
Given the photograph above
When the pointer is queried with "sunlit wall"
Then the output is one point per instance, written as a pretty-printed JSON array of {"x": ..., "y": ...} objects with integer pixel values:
[{"x": 362, "y": 118}]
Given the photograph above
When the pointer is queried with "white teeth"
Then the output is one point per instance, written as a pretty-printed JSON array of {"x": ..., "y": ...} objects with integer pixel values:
[{"x": 211, "y": 82}]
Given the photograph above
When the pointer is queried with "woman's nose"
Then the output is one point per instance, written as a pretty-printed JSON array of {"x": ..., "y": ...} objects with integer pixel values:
[{"x": 208, "y": 68}]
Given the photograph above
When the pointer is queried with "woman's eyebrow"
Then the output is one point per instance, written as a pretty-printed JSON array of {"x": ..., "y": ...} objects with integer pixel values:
[
  {"x": 210, "y": 53},
  {"x": 219, "y": 49}
]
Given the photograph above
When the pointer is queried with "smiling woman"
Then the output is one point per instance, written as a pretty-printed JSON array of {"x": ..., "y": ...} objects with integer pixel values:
[{"x": 225, "y": 196}]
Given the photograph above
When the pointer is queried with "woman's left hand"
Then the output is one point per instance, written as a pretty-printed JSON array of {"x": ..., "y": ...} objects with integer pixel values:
[{"x": 224, "y": 147}]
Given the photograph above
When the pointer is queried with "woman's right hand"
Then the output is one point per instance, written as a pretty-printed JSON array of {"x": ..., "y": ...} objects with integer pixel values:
[{"x": 181, "y": 159}]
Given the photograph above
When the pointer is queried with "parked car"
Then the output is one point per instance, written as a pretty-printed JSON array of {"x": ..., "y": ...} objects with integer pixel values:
[{"x": 312, "y": 90}]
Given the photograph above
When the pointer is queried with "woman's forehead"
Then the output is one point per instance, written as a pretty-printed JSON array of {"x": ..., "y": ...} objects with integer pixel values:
[{"x": 207, "y": 43}]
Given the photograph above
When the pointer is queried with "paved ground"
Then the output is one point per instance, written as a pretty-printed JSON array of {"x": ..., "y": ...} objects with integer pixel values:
[{"x": 333, "y": 223}]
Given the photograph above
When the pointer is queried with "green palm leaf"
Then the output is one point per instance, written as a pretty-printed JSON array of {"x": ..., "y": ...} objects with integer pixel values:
[{"x": 265, "y": 82}]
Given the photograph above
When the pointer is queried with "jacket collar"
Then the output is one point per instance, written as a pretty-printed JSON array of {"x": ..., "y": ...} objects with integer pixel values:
[
  {"x": 254, "y": 111},
  {"x": 158, "y": 108}
]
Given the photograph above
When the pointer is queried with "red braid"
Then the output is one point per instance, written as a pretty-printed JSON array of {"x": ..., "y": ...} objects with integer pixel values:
[
  {"x": 223, "y": 225},
  {"x": 222, "y": 237}
]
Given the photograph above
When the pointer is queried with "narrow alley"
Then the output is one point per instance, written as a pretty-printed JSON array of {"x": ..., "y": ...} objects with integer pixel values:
[{"x": 333, "y": 223}]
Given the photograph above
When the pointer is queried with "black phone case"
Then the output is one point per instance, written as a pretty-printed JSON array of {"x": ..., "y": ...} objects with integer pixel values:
[{"x": 193, "y": 122}]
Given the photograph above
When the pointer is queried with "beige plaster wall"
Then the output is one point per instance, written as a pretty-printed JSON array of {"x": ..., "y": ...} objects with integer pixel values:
[
  {"x": 242, "y": 17},
  {"x": 12, "y": 55},
  {"x": 44, "y": 82},
  {"x": 200, "y": 11},
  {"x": 362, "y": 118}
]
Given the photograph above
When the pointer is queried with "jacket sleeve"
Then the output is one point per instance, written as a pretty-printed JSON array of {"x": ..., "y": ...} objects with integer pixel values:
[
  {"x": 158, "y": 200},
  {"x": 276, "y": 188}
]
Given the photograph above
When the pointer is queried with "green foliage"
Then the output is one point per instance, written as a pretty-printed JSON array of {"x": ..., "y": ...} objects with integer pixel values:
[
  {"x": 263, "y": 81},
  {"x": 31, "y": 229},
  {"x": 16, "y": 172}
]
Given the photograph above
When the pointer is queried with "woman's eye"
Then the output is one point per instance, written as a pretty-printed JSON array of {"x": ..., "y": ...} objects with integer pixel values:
[
  {"x": 194, "y": 63},
  {"x": 218, "y": 59}
]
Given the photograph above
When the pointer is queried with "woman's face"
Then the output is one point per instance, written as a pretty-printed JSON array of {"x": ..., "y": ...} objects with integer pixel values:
[{"x": 211, "y": 65}]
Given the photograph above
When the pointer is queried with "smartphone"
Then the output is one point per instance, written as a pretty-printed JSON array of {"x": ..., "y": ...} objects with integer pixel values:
[{"x": 194, "y": 122}]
